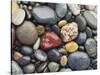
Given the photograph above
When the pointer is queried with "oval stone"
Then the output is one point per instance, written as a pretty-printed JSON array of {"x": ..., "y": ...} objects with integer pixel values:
[
  {"x": 89, "y": 32},
  {"x": 78, "y": 60},
  {"x": 37, "y": 44},
  {"x": 91, "y": 47},
  {"x": 18, "y": 17},
  {"x": 27, "y": 33},
  {"x": 62, "y": 23},
  {"x": 90, "y": 7},
  {"x": 65, "y": 70},
  {"x": 63, "y": 60}
]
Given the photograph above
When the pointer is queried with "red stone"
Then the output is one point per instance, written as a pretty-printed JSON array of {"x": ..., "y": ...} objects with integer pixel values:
[{"x": 49, "y": 40}]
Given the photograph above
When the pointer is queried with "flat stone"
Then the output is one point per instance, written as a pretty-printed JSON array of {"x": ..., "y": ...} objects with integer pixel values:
[
  {"x": 44, "y": 14},
  {"x": 91, "y": 47},
  {"x": 78, "y": 60},
  {"x": 25, "y": 33},
  {"x": 61, "y": 10},
  {"x": 91, "y": 19}
]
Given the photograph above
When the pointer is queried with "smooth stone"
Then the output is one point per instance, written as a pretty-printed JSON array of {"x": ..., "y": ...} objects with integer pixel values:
[
  {"x": 81, "y": 38},
  {"x": 62, "y": 23},
  {"x": 16, "y": 69},
  {"x": 44, "y": 14},
  {"x": 94, "y": 32},
  {"x": 63, "y": 60},
  {"x": 65, "y": 70},
  {"x": 81, "y": 48},
  {"x": 88, "y": 32},
  {"x": 26, "y": 50},
  {"x": 50, "y": 40},
  {"x": 18, "y": 17},
  {"x": 80, "y": 20},
  {"x": 30, "y": 68},
  {"x": 78, "y": 60},
  {"x": 40, "y": 29},
  {"x": 90, "y": 7},
  {"x": 91, "y": 48},
  {"x": 61, "y": 10},
  {"x": 24, "y": 60},
  {"x": 40, "y": 55},
  {"x": 17, "y": 56},
  {"x": 53, "y": 66},
  {"x": 55, "y": 29},
  {"x": 54, "y": 55},
  {"x": 74, "y": 8},
  {"x": 13, "y": 34},
  {"x": 37, "y": 44},
  {"x": 91, "y": 19},
  {"x": 68, "y": 16},
  {"x": 95, "y": 38},
  {"x": 63, "y": 51},
  {"x": 25, "y": 2},
  {"x": 25, "y": 33},
  {"x": 41, "y": 67},
  {"x": 69, "y": 32},
  {"x": 71, "y": 46}
]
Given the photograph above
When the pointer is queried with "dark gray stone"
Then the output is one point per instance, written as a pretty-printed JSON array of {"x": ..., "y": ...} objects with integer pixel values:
[
  {"x": 88, "y": 32},
  {"x": 55, "y": 29}
]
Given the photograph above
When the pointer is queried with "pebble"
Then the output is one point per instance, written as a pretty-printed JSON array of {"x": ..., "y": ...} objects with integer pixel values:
[
  {"x": 40, "y": 55},
  {"x": 81, "y": 48},
  {"x": 68, "y": 16},
  {"x": 61, "y": 10},
  {"x": 69, "y": 32},
  {"x": 18, "y": 17},
  {"x": 17, "y": 56},
  {"x": 53, "y": 66},
  {"x": 16, "y": 69},
  {"x": 25, "y": 33},
  {"x": 13, "y": 34},
  {"x": 81, "y": 38},
  {"x": 40, "y": 29},
  {"x": 89, "y": 32},
  {"x": 91, "y": 19},
  {"x": 78, "y": 60},
  {"x": 24, "y": 60},
  {"x": 30, "y": 68},
  {"x": 74, "y": 8},
  {"x": 94, "y": 32},
  {"x": 26, "y": 50},
  {"x": 90, "y": 46},
  {"x": 55, "y": 29},
  {"x": 63, "y": 51},
  {"x": 49, "y": 40},
  {"x": 63, "y": 60},
  {"x": 90, "y": 7},
  {"x": 62, "y": 23},
  {"x": 48, "y": 16},
  {"x": 37, "y": 44},
  {"x": 95, "y": 38},
  {"x": 71, "y": 46},
  {"x": 54, "y": 55},
  {"x": 80, "y": 20},
  {"x": 65, "y": 70}
]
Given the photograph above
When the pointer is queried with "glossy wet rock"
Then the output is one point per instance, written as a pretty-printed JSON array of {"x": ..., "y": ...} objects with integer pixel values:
[
  {"x": 37, "y": 44},
  {"x": 89, "y": 32},
  {"x": 62, "y": 23}
]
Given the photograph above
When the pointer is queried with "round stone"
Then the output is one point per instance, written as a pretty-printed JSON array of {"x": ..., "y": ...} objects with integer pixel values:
[
  {"x": 40, "y": 55},
  {"x": 54, "y": 55},
  {"x": 62, "y": 23},
  {"x": 74, "y": 8},
  {"x": 81, "y": 48},
  {"x": 65, "y": 70},
  {"x": 81, "y": 22},
  {"x": 91, "y": 19},
  {"x": 26, "y": 50},
  {"x": 18, "y": 17},
  {"x": 16, "y": 69},
  {"x": 27, "y": 33},
  {"x": 71, "y": 46},
  {"x": 53, "y": 66},
  {"x": 13, "y": 34},
  {"x": 69, "y": 32},
  {"x": 63, "y": 51},
  {"x": 78, "y": 60},
  {"x": 40, "y": 29},
  {"x": 48, "y": 15},
  {"x": 63, "y": 60},
  {"x": 30, "y": 68},
  {"x": 81, "y": 38},
  {"x": 55, "y": 29},
  {"x": 91, "y": 47},
  {"x": 61, "y": 10},
  {"x": 90, "y": 7},
  {"x": 89, "y": 32},
  {"x": 37, "y": 44}
]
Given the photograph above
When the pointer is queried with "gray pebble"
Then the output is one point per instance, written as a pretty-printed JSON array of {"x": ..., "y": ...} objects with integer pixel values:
[
  {"x": 65, "y": 70},
  {"x": 55, "y": 29},
  {"x": 88, "y": 32}
]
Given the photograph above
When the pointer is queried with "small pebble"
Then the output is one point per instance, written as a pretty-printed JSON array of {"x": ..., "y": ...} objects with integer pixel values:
[
  {"x": 55, "y": 29},
  {"x": 71, "y": 46},
  {"x": 13, "y": 34},
  {"x": 94, "y": 32},
  {"x": 89, "y": 32},
  {"x": 62, "y": 23},
  {"x": 37, "y": 44},
  {"x": 63, "y": 51},
  {"x": 90, "y": 7},
  {"x": 63, "y": 60},
  {"x": 81, "y": 48},
  {"x": 65, "y": 70}
]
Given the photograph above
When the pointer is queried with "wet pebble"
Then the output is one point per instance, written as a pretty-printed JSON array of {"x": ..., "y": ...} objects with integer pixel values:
[
  {"x": 81, "y": 48},
  {"x": 88, "y": 32},
  {"x": 63, "y": 60},
  {"x": 63, "y": 51},
  {"x": 62, "y": 23},
  {"x": 55, "y": 29},
  {"x": 37, "y": 44}
]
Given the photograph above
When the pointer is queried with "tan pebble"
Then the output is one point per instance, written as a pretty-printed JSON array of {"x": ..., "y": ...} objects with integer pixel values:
[
  {"x": 71, "y": 46},
  {"x": 63, "y": 60},
  {"x": 62, "y": 23},
  {"x": 17, "y": 56}
]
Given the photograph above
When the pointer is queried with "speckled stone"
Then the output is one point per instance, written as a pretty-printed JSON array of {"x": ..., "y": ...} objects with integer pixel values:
[
  {"x": 25, "y": 33},
  {"x": 78, "y": 60},
  {"x": 69, "y": 32},
  {"x": 62, "y": 23},
  {"x": 71, "y": 46},
  {"x": 91, "y": 47}
]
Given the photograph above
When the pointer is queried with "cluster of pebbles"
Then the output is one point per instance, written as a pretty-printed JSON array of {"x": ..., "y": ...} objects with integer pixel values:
[{"x": 53, "y": 37}]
